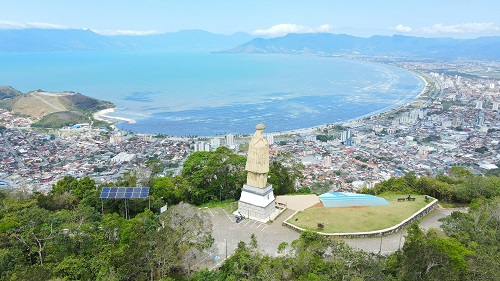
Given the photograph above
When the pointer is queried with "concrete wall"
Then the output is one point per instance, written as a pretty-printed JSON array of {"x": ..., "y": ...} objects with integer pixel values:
[
  {"x": 256, "y": 212},
  {"x": 420, "y": 213}
]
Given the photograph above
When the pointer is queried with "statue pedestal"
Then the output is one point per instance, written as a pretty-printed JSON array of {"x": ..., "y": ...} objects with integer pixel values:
[{"x": 258, "y": 203}]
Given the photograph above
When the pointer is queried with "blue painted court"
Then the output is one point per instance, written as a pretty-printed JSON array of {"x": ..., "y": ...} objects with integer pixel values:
[{"x": 347, "y": 199}]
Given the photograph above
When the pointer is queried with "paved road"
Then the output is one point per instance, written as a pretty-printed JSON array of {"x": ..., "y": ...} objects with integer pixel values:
[
  {"x": 393, "y": 242},
  {"x": 227, "y": 233}
]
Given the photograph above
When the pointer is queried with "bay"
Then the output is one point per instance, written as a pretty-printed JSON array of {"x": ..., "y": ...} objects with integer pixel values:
[{"x": 207, "y": 94}]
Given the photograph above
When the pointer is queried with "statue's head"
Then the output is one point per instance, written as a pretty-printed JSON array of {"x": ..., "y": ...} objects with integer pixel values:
[{"x": 260, "y": 127}]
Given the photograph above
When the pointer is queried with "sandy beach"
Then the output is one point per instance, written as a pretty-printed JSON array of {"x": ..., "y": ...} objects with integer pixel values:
[{"x": 103, "y": 116}]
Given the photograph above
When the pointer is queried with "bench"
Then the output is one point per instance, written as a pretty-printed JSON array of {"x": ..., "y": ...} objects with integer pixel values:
[
  {"x": 401, "y": 199},
  {"x": 410, "y": 199}
]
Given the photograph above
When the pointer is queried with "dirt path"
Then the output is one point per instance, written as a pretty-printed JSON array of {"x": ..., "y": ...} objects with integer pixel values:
[{"x": 49, "y": 104}]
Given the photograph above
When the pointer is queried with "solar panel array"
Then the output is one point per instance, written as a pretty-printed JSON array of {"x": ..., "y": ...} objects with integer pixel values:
[{"x": 124, "y": 192}]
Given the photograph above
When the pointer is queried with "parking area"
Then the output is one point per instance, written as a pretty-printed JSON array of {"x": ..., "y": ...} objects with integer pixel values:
[{"x": 227, "y": 232}]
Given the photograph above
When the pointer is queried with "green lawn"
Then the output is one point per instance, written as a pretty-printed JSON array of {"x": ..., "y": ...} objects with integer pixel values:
[{"x": 359, "y": 219}]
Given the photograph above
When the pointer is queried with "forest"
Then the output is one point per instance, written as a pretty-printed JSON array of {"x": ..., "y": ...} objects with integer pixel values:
[{"x": 70, "y": 234}]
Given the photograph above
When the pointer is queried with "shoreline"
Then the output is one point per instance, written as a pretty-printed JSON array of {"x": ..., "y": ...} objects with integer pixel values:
[
  {"x": 358, "y": 120},
  {"x": 376, "y": 114},
  {"x": 102, "y": 115}
]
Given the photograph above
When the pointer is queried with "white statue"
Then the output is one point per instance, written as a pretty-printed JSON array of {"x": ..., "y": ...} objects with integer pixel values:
[{"x": 257, "y": 164}]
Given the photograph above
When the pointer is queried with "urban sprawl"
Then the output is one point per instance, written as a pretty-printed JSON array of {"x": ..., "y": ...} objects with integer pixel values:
[{"x": 455, "y": 122}]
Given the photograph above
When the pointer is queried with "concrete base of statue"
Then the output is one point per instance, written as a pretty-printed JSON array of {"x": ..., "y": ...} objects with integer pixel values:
[{"x": 258, "y": 203}]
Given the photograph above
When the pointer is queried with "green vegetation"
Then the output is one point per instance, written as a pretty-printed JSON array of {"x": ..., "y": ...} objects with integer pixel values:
[
  {"x": 61, "y": 119},
  {"x": 64, "y": 236},
  {"x": 481, "y": 149},
  {"x": 156, "y": 166},
  {"x": 324, "y": 138},
  {"x": 459, "y": 187},
  {"x": 83, "y": 103},
  {"x": 359, "y": 219},
  {"x": 7, "y": 92}
]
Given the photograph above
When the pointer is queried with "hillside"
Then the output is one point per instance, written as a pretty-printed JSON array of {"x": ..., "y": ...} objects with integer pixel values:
[
  {"x": 53, "y": 109},
  {"x": 7, "y": 92}
]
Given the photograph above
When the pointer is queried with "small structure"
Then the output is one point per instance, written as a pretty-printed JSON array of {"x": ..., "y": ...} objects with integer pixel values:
[
  {"x": 125, "y": 193},
  {"x": 347, "y": 199}
]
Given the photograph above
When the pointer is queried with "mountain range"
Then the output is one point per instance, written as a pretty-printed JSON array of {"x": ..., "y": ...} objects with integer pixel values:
[
  {"x": 63, "y": 40},
  {"x": 396, "y": 45},
  {"x": 55, "y": 40}
]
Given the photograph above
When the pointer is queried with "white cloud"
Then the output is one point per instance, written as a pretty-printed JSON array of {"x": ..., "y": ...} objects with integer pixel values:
[
  {"x": 20, "y": 25},
  {"x": 127, "y": 32},
  {"x": 403, "y": 28},
  {"x": 43, "y": 25},
  {"x": 463, "y": 28},
  {"x": 285, "y": 28}
]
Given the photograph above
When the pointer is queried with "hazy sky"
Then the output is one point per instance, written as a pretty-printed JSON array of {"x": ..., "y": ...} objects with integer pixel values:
[{"x": 428, "y": 18}]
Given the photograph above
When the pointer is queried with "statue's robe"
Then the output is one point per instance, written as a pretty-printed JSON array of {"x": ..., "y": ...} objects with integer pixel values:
[{"x": 257, "y": 164}]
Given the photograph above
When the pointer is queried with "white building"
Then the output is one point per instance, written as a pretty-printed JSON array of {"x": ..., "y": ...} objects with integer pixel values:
[
  {"x": 215, "y": 142},
  {"x": 122, "y": 157},
  {"x": 479, "y": 105},
  {"x": 327, "y": 161},
  {"x": 270, "y": 139},
  {"x": 201, "y": 146},
  {"x": 230, "y": 139}
]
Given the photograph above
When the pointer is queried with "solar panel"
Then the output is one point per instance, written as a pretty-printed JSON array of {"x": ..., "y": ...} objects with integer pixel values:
[{"x": 124, "y": 192}]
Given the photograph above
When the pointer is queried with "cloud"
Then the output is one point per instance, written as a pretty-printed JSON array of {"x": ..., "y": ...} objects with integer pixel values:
[
  {"x": 127, "y": 32},
  {"x": 42, "y": 25},
  {"x": 285, "y": 28},
  {"x": 463, "y": 28},
  {"x": 403, "y": 28},
  {"x": 20, "y": 25}
]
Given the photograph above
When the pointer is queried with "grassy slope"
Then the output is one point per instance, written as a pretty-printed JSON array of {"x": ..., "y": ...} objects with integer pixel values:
[{"x": 359, "y": 219}]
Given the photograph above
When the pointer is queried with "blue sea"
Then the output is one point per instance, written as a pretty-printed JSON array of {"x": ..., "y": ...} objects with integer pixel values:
[{"x": 205, "y": 94}]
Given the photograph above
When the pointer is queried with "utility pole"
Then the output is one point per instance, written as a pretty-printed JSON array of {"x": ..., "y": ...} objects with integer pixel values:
[{"x": 226, "y": 247}]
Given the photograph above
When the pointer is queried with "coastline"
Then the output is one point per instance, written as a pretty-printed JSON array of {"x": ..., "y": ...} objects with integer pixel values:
[
  {"x": 356, "y": 120},
  {"x": 102, "y": 115}
]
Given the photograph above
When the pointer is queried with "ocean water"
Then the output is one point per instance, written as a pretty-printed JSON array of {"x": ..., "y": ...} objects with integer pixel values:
[{"x": 206, "y": 94}]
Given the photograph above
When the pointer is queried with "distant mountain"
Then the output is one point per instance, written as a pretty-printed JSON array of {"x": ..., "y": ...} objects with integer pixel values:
[
  {"x": 53, "y": 40},
  {"x": 50, "y": 40},
  {"x": 186, "y": 40},
  {"x": 396, "y": 45}
]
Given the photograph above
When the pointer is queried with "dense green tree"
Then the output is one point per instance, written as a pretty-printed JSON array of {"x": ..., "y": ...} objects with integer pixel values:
[
  {"x": 427, "y": 256},
  {"x": 479, "y": 231},
  {"x": 183, "y": 238},
  {"x": 214, "y": 175},
  {"x": 284, "y": 172}
]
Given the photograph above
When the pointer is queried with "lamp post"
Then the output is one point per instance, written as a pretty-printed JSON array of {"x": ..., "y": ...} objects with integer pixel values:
[
  {"x": 380, "y": 250},
  {"x": 226, "y": 247}
]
